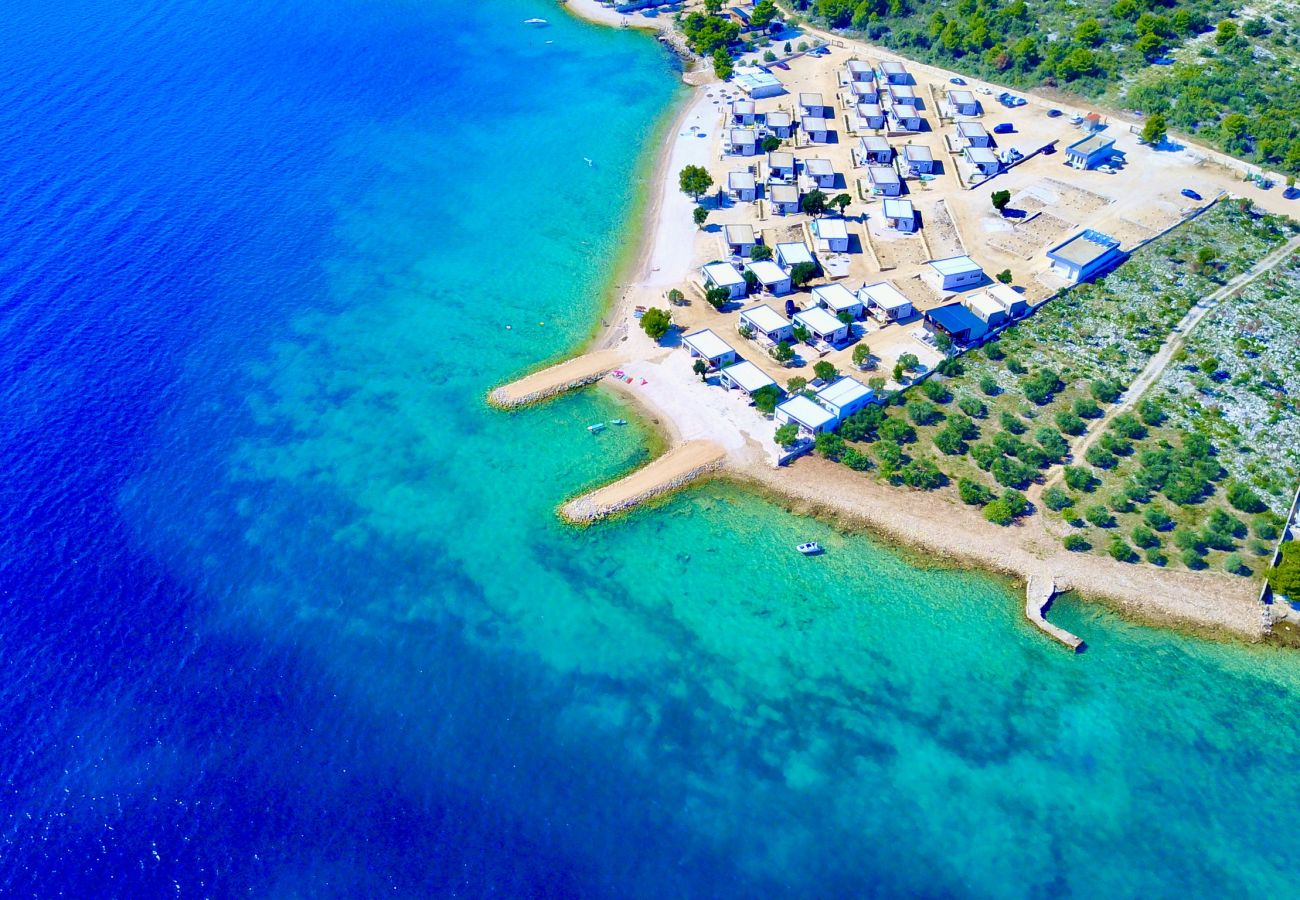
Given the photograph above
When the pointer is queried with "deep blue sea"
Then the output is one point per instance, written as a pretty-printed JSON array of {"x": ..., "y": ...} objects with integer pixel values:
[{"x": 285, "y": 610}]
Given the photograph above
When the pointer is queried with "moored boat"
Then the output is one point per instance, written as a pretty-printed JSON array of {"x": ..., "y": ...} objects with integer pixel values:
[{"x": 809, "y": 548}]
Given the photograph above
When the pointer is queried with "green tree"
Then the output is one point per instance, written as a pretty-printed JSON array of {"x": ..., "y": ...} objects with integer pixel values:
[
  {"x": 1000, "y": 199},
  {"x": 771, "y": 143},
  {"x": 782, "y": 352},
  {"x": 765, "y": 398},
  {"x": 861, "y": 355},
  {"x": 909, "y": 362},
  {"x": 700, "y": 215},
  {"x": 802, "y": 273},
  {"x": 786, "y": 434},
  {"x": 717, "y": 297},
  {"x": 1077, "y": 543},
  {"x": 656, "y": 322},
  {"x": 796, "y": 384},
  {"x": 1155, "y": 129},
  {"x": 973, "y": 493},
  {"x": 825, "y": 370},
  {"x": 1224, "y": 32},
  {"x": 1284, "y": 578},
  {"x": 830, "y": 445},
  {"x": 701, "y": 368},
  {"x": 1005, "y": 276},
  {"x": 722, "y": 65},
  {"x": 813, "y": 203},
  {"x": 1088, "y": 32},
  {"x": 694, "y": 180},
  {"x": 763, "y": 14},
  {"x": 760, "y": 252},
  {"x": 1056, "y": 498},
  {"x": 841, "y": 202}
]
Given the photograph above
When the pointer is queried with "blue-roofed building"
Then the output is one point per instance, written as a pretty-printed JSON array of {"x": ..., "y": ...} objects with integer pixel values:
[
  {"x": 956, "y": 321},
  {"x": 1086, "y": 255}
]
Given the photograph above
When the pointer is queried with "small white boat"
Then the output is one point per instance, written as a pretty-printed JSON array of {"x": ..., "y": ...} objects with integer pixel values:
[
  {"x": 809, "y": 548},
  {"x": 618, "y": 422},
  {"x": 536, "y": 22},
  {"x": 597, "y": 428}
]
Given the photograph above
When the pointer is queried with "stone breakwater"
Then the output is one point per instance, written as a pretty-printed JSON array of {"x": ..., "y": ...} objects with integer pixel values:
[
  {"x": 675, "y": 469},
  {"x": 570, "y": 374}
]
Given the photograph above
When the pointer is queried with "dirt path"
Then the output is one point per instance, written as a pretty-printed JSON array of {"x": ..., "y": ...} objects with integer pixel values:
[{"x": 1155, "y": 367}]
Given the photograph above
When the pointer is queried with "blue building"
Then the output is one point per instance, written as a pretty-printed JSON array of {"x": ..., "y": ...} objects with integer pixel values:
[
  {"x": 956, "y": 321},
  {"x": 1086, "y": 255}
]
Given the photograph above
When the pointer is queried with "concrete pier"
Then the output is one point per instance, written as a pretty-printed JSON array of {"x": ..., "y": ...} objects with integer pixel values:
[
  {"x": 676, "y": 468},
  {"x": 572, "y": 373},
  {"x": 1038, "y": 596}
]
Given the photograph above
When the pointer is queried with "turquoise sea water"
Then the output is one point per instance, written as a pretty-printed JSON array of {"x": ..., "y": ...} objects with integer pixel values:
[{"x": 287, "y": 610}]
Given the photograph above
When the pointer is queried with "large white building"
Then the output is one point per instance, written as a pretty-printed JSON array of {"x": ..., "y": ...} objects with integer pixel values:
[{"x": 956, "y": 273}]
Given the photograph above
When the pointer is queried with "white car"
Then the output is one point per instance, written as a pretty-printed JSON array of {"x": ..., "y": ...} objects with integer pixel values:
[{"x": 1109, "y": 170}]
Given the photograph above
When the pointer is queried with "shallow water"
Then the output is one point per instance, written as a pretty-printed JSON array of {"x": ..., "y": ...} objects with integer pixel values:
[{"x": 287, "y": 610}]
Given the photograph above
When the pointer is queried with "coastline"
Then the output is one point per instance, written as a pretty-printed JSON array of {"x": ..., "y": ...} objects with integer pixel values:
[{"x": 661, "y": 254}]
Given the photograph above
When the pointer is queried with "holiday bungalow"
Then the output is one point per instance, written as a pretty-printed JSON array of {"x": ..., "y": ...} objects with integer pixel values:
[
  {"x": 822, "y": 326},
  {"x": 870, "y": 116},
  {"x": 742, "y": 112},
  {"x": 987, "y": 309},
  {"x": 741, "y": 187},
  {"x": 709, "y": 347},
  {"x": 740, "y": 239},
  {"x": 1009, "y": 299},
  {"x": 918, "y": 159},
  {"x": 809, "y": 417},
  {"x": 817, "y": 129},
  {"x": 742, "y": 142},
  {"x": 832, "y": 234},
  {"x": 725, "y": 275},
  {"x": 874, "y": 149},
  {"x": 765, "y": 321},
  {"x": 791, "y": 253},
  {"x": 746, "y": 377},
  {"x": 982, "y": 159},
  {"x": 864, "y": 92},
  {"x": 903, "y": 95},
  {"x": 780, "y": 124},
  {"x": 780, "y": 165},
  {"x": 893, "y": 73},
  {"x": 973, "y": 134},
  {"x": 844, "y": 396},
  {"x": 757, "y": 83},
  {"x": 837, "y": 299},
  {"x": 884, "y": 181},
  {"x": 771, "y": 276},
  {"x": 811, "y": 105},
  {"x": 1087, "y": 254},
  {"x": 820, "y": 171},
  {"x": 962, "y": 103},
  {"x": 1089, "y": 152},
  {"x": 859, "y": 72},
  {"x": 783, "y": 197},
  {"x": 955, "y": 321},
  {"x": 956, "y": 273},
  {"x": 900, "y": 214},
  {"x": 904, "y": 119},
  {"x": 885, "y": 302}
]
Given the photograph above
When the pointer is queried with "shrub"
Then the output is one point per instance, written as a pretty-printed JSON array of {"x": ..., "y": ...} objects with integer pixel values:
[
  {"x": 1267, "y": 526},
  {"x": 1157, "y": 518},
  {"x": 890, "y": 458},
  {"x": 1156, "y": 557},
  {"x": 1012, "y": 423},
  {"x": 824, "y": 370},
  {"x": 1106, "y": 390},
  {"x": 1144, "y": 537},
  {"x": 936, "y": 391},
  {"x": 1234, "y": 565},
  {"x": 1244, "y": 499},
  {"x": 898, "y": 431},
  {"x": 864, "y": 424},
  {"x": 1085, "y": 408},
  {"x": 1258, "y": 547},
  {"x": 856, "y": 460},
  {"x": 922, "y": 474},
  {"x": 656, "y": 322},
  {"x": 1070, "y": 423},
  {"x": 1016, "y": 367},
  {"x": 1150, "y": 412},
  {"x": 1042, "y": 386},
  {"x": 1100, "y": 457},
  {"x": 1119, "y": 549},
  {"x": 1127, "y": 424},
  {"x": 989, "y": 385},
  {"x": 922, "y": 412},
  {"x": 1193, "y": 560},
  {"x": 1018, "y": 502},
  {"x": 1079, "y": 478},
  {"x": 1056, "y": 498},
  {"x": 949, "y": 442},
  {"x": 1011, "y": 473},
  {"x": 973, "y": 493},
  {"x": 1052, "y": 443},
  {"x": 1099, "y": 515},
  {"x": 999, "y": 512},
  {"x": 973, "y": 407},
  {"x": 1186, "y": 539},
  {"x": 993, "y": 350},
  {"x": 1121, "y": 503},
  {"x": 1077, "y": 543},
  {"x": 1226, "y": 524},
  {"x": 787, "y": 434},
  {"x": 830, "y": 445},
  {"x": 1284, "y": 578}
]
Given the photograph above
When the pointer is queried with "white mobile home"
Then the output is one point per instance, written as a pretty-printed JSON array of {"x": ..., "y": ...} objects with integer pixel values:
[
  {"x": 874, "y": 149},
  {"x": 742, "y": 112},
  {"x": 780, "y": 124},
  {"x": 973, "y": 134},
  {"x": 956, "y": 273},
  {"x": 859, "y": 72},
  {"x": 893, "y": 73},
  {"x": 766, "y": 322},
  {"x": 821, "y": 172},
  {"x": 822, "y": 326},
  {"x": 742, "y": 142},
  {"x": 904, "y": 118},
  {"x": 836, "y": 298},
  {"x": 884, "y": 181},
  {"x": 810, "y": 418},
  {"x": 740, "y": 239},
  {"x": 1006, "y": 296},
  {"x": 900, "y": 214},
  {"x": 864, "y": 92},
  {"x": 832, "y": 235},
  {"x": 962, "y": 103},
  {"x": 741, "y": 187},
  {"x": 784, "y": 198},
  {"x": 982, "y": 159},
  {"x": 773, "y": 279},
  {"x": 811, "y": 105},
  {"x": 790, "y": 253},
  {"x": 989, "y": 310},
  {"x": 781, "y": 165},
  {"x": 918, "y": 159},
  {"x": 725, "y": 275},
  {"x": 845, "y": 396},
  {"x": 870, "y": 115},
  {"x": 885, "y": 302},
  {"x": 903, "y": 95},
  {"x": 1089, "y": 152},
  {"x": 709, "y": 347},
  {"x": 817, "y": 129},
  {"x": 746, "y": 377},
  {"x": 757, "y": 83}
]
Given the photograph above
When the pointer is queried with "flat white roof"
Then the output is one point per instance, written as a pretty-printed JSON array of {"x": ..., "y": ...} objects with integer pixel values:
[
  {"x": 984, "y": 306},
  {"x": 818, "y": 166},
  {"x": 893, "y": 68},
  {"x": 884, "y": 295},
  {"x": 971, "y": 129},
  {"x": 756, "y": 78},
  {"x": 783, "y": 193},
  {"x": 1006, "y": 295},
  {"x": 708, "y": 344},
  {"x": 748, "y": 376},
  {"x": 764, "y": 318},
  {"x": 742, "y": 107},
  {"x": 814, "y": 123},
  {"x": 857, "y": 65},
  {"x": 869, "y": 109},
  {"x": 767, "y": 271},
  {"x": 899, "y": 209},
  {"x": 961, "y": 97},
  {"x": 901, "y": 90},
  {"x": 844, "y": 391},
  {"x": 739, "y": 234},
  {"x": 882, "y": 175},
  {"x": 742, "y": 136},
  {"x": 830, "y": 229},
  {"x": 917, "y": 151},
  {"x": 836, "y": 296},
  {"x": 863, "y": 87},
  {"x": 779, "y": 117},
  {"x": 723, "y": 274},
  {"x": 806, "y": 412},
  {"x": 738, "y": 180},
  {"x": 781, "y": 160},
  {"x": 980, "y": 154},
  {"x": 873, "y": 143},
  {"x": 810, "y": 99},
  {"x": 794, "y": 252},
  {"x": 818, "y": 320},
  {"x": 955, "y": 265}
]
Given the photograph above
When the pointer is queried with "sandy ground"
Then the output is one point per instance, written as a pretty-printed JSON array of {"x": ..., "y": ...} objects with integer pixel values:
[{"x": 679, "y": 466}]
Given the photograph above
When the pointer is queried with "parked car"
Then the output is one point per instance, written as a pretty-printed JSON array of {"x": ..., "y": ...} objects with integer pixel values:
[
  {"x": 955, "y": 80},
  {"x": 790, "y": 308},
  {"x": 1106, "y": 169},
  {"x": 1003, "y": 128},
  {"x": 1291, "y": 193},
  {"x": 1190, "y": 194},
  {"x": 1054, "y": 113}
]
